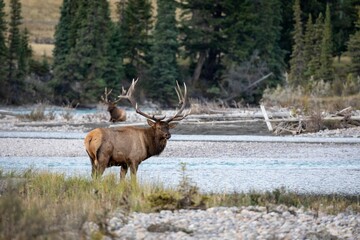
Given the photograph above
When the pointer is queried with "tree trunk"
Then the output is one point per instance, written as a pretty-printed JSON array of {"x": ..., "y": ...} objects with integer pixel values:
[{"x": 199, "y": 65}]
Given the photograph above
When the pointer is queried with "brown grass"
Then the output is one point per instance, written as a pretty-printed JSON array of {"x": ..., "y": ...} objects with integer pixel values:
[{"x": 42, "y": 49}]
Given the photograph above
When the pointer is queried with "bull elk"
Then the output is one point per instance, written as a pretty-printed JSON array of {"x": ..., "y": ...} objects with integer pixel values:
[
  {"x": 128, "y": 146},
  {"x": 116, "y": 114}
]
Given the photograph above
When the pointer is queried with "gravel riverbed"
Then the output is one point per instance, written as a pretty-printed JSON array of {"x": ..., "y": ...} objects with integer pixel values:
[{"x": 254, "y": 222}]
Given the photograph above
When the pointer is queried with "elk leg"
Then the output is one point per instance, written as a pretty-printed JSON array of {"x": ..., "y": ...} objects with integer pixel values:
[
  {"x": 123, "y": 171},
  {"x": 99, "y": 165},
  {"x": 133, "y": 170}
]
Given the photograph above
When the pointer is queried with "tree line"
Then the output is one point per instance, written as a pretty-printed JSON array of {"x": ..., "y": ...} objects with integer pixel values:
[{"x": 230, "y": 50}]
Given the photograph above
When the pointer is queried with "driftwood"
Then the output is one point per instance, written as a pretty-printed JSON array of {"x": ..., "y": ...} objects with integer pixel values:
[
  {"x": 268, "y": 123},
  {"x": 7, "y": 113},
  {"x": 300, "y": 124}
]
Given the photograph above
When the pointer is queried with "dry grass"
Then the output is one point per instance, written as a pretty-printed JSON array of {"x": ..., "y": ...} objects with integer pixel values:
[{"x": 42, "y": 49}]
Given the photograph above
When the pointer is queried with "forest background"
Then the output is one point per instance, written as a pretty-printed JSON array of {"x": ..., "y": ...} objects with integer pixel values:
[{"x": 237, "y": 52}]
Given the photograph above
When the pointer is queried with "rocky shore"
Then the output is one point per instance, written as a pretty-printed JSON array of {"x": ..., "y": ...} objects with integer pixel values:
[{"x": 275, "y": 222}]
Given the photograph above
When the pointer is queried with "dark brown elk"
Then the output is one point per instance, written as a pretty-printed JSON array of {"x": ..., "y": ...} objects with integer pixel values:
[
  {"x": 128, "y": 146},
  {"x": 116, "y": 114}
]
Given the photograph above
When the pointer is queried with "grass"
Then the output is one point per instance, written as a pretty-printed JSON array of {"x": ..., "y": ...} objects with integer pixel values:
[{"x": 49, "y": 205}]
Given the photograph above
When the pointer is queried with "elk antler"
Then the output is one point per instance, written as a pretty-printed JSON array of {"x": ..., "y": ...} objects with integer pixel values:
[
  {"x": 106, "y": 95},
  {"x": 129, "y": 96},
  {"x": 182, "y": 101}
]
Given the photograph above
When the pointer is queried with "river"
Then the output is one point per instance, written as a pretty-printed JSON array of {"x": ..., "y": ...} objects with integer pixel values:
[{"x": 259, "y": 163}]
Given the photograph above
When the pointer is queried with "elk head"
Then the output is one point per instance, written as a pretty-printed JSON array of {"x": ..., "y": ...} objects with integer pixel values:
[
  {"x": 116, "y": 114},
  {"x": 160, "y": 125}
]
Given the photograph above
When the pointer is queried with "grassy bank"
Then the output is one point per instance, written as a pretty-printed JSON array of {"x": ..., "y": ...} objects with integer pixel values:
[{"x": 48, "y": 205}]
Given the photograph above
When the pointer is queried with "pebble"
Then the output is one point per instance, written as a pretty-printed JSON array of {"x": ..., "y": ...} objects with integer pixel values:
[{"x": 251, "y": 222}]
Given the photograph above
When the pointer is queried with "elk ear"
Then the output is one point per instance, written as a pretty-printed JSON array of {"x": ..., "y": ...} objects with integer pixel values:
[
  {"x": 172, "y": 125},
  {"x": 151, "y": 123}
]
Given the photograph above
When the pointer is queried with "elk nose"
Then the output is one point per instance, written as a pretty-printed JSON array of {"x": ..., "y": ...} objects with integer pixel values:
[{"x": 167, "y": 135}]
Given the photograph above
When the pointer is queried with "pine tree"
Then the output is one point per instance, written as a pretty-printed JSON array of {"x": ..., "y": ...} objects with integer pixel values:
[
  {"x": 309, "y": 46},
  {"x": 354, "y": 48},
  {"x": 87, "y": 60},
  {"x": 65, "y": 39},
  {"x": 312, "y": 50},
  {"x": 136, "y": 24},
  {"x": 314, "y": 64},
  {"x": 81, "y": 52},
  {"x": 203, "y": 39},
  {"x": 268, "y": 37},
  {"x": 15, "y": 83},
  {"x": 3, "y": 52},
  {"x": 25, "y": 54},
  {"x": 297, "y": 61},
  {"x": 164, "y": 69},
  {"x": 114, "y": 73},
  {"x": 326, "y": 71},
  {"x": 65, "y": 31}
]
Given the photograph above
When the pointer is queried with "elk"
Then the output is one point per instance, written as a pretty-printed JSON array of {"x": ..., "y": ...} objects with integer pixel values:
[
  {"x": 116, "y": 114},
  {"x": 128, "y": 146}
]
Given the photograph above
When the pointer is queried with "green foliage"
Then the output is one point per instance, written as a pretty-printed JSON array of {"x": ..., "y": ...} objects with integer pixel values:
[
  {"x": 65, "y": 39},
  {"x": 16, "y": 84},
  {"x": 314, "y": 46},
  {"x": 164, "y": 69},
  {"x": 203, "y": 40},
  {"x": 81, "y": 65},
  {"x": 91, "y": 51},
  {"x": 25, "y": 54},
  {"x": 354, "y": 48},
  {"x": 3, "y": 51},
  {"x": 297, "y": 61},
  {"x": 114, "y": 71},
  {"x": 326, "y": 69},
  {"x": 136, "y": 24}
]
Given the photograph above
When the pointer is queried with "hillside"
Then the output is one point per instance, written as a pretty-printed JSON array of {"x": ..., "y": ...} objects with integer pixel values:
[{"x": 41, "y": 17}]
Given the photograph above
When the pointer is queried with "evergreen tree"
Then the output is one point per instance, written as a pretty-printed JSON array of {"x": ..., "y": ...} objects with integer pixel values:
[
  {"x": 115, "y": 73},
  {"x": 326, "y": 68},
  {"x": 15, "y": 83},
  {"x": 312, "y": 51},
  {"x": 342, "y": 19},
  {"x": 136, "y": 24},
  {"x": 164, "y": 69},
  {"x": 297, "y": 61},
  {"x": 87, "y": 60},
  {"x": 65, "y": 39},
  {"x": 309, "y": 47},
  {"x": 25, "y": 54},
  {"x": 203, "y": 39},
  {"x": 3, "y": 52},
  {"x": 354, "y": 48},
  {"x": 267, "y": 39},
  {"x": 254, "y": 31},
  {"x": 81, "y": 51},
  {"x": 239, "y": 26}
]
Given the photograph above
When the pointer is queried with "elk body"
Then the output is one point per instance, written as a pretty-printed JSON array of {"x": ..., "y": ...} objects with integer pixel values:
[
  {"x": 116, "y": 114},
  {"x": 127, "y": 147}
]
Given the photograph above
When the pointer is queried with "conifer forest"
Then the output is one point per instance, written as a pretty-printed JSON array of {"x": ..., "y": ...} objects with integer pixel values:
[{"x": 230, "y": 51}]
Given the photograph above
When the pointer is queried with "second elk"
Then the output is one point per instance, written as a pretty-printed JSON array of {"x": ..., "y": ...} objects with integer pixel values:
[
  {"x": 128, "y": 146},
  {"x": 116, "y": 114}
]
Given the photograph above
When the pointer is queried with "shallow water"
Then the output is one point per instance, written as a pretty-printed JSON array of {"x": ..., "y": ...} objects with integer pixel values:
[
  {"x": 225, "y": 174},
  {"x": 193, "y": 137}
]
